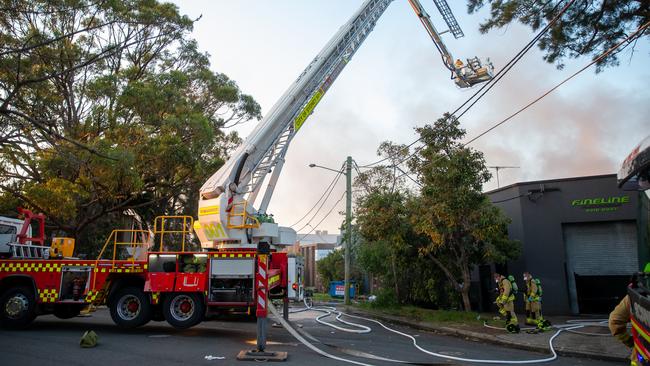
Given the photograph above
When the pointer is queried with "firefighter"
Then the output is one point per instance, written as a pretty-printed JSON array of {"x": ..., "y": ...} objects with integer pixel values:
[
  {"x": 505, "y": 302},
  {"x": 533, "y": 301},
  {"x": 620, "y": 317},
  {"x": 618, "y": 320}
]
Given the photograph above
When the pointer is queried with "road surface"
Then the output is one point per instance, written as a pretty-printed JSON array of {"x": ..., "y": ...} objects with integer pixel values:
[{"x": 51, "y": 341}]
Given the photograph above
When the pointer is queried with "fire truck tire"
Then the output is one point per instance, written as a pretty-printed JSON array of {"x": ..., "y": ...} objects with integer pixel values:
[
  {"x": 17, "y": 307},
  {"x": 67, "y": 311},
  {"x": 130, "y": 307},
  {"x": 183, "y": 310}
]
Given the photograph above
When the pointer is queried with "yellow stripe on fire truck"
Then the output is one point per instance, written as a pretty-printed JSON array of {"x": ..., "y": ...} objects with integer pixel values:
[
  {"x": 48, "y": 295},
  {"x": 274, "y": 279},
  {"x": 233, "y": 255},
  {"x": 30, "y": 267},
  {"x": 91, "y": 296}
]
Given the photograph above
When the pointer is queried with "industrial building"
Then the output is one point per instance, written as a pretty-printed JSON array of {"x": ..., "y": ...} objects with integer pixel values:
[{"x": 582, "y": 237}]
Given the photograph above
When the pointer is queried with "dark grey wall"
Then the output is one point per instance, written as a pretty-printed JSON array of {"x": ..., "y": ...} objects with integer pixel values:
[{"x": 538, "y": 210}]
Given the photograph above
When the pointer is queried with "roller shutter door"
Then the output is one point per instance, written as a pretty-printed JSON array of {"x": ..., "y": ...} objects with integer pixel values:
[
  {"x": 599, "y": 256},
  {"x": 608, "y": 248}
]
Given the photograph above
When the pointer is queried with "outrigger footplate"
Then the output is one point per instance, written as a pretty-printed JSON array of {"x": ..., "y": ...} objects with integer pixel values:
[{"x": 255, "y": 355}]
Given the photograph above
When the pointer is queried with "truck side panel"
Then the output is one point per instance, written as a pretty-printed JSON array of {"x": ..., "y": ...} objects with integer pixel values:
[{"x": 69, "y": 281}]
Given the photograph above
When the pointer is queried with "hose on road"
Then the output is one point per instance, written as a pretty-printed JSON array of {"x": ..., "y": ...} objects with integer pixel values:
[{"x": 571, "y": 326}]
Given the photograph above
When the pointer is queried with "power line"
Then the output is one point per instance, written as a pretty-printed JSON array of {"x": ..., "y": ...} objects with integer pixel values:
[
  {"x": 408, "y": 176},
  {"x": 628, "y": 39},
  {"x": 321, "y": 205},
  {"x": 511, "y": 198},
  {"x": 324, "y": 217},
  {"x": 515, "y": 59},
  {"x": 497, "y": 77},
  {"x": 405, "y": 148},
  {"x": 329, "y": 188}
]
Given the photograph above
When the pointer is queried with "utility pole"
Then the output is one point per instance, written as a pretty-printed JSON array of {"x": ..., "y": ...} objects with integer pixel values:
[
  {"x": 347, "y": 238},
  {"x": 348, "y": 227}
]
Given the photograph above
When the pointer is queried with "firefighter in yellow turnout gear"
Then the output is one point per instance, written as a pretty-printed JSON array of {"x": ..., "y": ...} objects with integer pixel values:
[
  {"x": 533, "y": 302},
  {"x": 505, "y": 302},
  {"x": 619, "y": 319}
]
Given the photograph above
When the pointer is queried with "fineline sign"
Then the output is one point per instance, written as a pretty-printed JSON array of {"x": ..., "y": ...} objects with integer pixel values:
[{"x": 600, "y": 204}]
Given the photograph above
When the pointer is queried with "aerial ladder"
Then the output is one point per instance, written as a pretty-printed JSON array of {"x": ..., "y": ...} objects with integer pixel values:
[{"x": 227, "y": 218}]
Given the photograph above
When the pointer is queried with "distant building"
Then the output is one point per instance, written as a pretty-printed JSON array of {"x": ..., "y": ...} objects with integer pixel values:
[
  {"x": 582, "y": 236},
  {"x": 314, "y": 247}
]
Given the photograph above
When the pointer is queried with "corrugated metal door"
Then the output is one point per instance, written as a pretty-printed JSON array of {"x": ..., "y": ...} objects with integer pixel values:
[{"x": 599, "y": 249}]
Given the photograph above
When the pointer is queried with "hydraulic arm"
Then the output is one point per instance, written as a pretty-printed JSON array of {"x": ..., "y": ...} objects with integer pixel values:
[
  {"x": 467, "y": 74},
  {"x": 227, "y": 218}
]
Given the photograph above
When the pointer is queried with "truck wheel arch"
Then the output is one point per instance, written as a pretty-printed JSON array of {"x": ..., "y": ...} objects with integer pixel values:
[
  {"x": 18, "y": 280},
  {"x": 125, "y": 281}
]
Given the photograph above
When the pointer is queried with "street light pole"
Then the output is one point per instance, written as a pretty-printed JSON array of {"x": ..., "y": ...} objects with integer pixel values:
[
  {"x": 348, "y": 223},
  {"x": 348, "y": 227}
]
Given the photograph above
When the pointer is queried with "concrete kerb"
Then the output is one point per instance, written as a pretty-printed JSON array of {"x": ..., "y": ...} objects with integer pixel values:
[{"x": 482, "y": 337}]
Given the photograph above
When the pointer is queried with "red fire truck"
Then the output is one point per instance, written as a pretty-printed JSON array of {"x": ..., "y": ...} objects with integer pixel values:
[
  {"x": 137, "y": 286},
  {"x": 240, "y": 265}
]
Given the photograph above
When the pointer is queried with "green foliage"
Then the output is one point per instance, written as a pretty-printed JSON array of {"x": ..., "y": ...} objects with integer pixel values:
[
  {"x": 587, "y": 28},
  {"x": 463, "y": 227},
  {"x": 422, "y": 244},
  {"x": 108, "y": 107},
  {"x": 331, "y": 268},
  {"x": 386, "y": 299}
]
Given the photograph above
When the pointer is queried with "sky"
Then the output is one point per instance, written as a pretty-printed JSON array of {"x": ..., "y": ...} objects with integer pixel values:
[{"x": 397, "y": 82}]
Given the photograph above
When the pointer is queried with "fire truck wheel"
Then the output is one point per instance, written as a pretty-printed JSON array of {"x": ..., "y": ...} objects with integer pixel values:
[
  {"x": 17, "y": 307},
  {"x": 130, "y": 307},
  {"x": 67, "y": 311},
  {"x": 183, "y": 310}
]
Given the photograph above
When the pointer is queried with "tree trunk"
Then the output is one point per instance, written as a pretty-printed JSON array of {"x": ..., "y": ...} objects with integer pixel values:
[
  {"x": 464, "y": 292},
  {"x": 464, "y": 289},
  {"x": 395, "y": 278}
]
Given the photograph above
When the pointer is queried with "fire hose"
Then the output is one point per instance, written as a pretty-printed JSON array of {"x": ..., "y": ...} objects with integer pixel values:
[{"x": 571, "y": 326}]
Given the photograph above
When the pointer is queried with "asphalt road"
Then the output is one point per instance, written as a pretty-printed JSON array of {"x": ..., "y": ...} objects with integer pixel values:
[{"x": 51, "y": 341}]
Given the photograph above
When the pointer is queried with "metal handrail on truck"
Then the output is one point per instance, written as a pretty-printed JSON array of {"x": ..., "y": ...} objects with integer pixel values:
[{"x": 159, "y": 228}]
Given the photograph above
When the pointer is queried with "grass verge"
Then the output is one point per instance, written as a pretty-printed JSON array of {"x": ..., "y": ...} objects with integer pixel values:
[
  {"x": 324, "y": 297},
  {"x": 411, "y": 312}
]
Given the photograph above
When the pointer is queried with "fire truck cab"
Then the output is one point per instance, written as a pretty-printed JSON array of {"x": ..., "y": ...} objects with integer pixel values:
[{"x": 9, "y": 229}]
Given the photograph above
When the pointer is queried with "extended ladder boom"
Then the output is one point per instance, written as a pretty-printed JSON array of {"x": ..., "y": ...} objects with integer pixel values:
[
  {"x": 244, "y": 172},
  {"x": 226, "y": 216}
]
